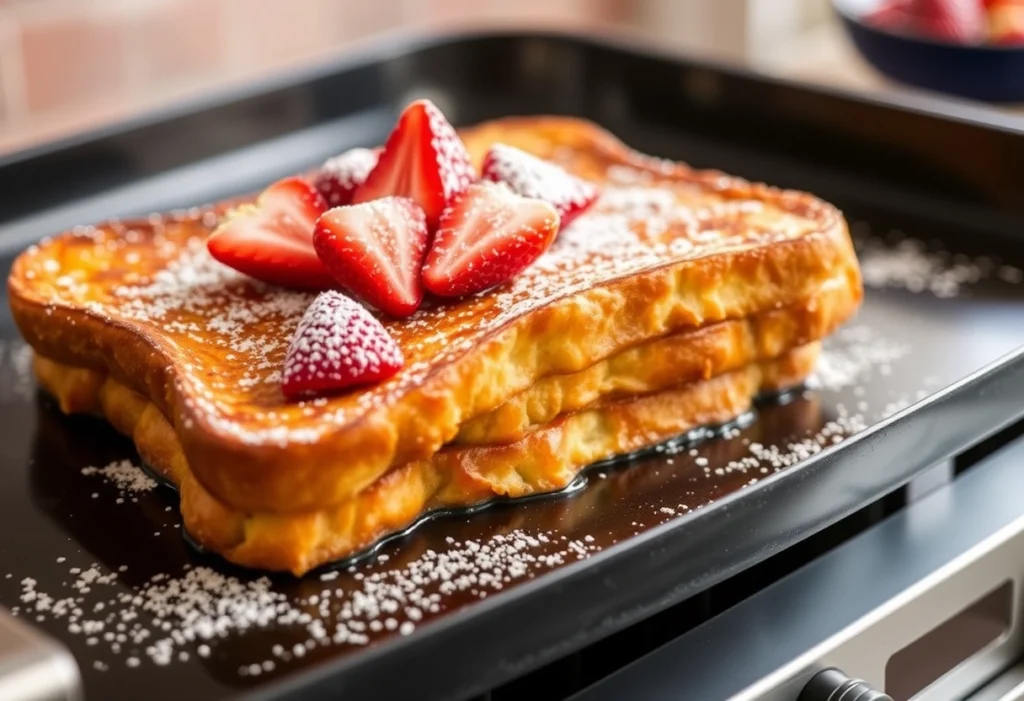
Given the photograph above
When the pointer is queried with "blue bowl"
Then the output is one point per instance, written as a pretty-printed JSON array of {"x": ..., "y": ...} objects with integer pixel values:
[{"x": 988, "y": 73}]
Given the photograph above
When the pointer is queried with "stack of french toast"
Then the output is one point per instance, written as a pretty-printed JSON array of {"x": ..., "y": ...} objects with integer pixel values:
[{"x": 447, "y": 319}]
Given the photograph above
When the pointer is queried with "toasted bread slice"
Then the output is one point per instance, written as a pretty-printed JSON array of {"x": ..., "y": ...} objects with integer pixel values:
[
  {"x": 686, "y": 356},
  {"x": 545, "y": 460},
  {"x": 665, "y": 249}
]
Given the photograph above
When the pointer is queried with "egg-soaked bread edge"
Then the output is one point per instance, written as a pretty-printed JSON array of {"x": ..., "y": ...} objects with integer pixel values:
[{"x": 544, "y": 461}]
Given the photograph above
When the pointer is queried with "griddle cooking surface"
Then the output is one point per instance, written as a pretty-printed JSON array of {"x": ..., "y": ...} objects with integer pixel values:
[
  {"x": 66, "y": 533},
  {"x": 469, "y": 602}
]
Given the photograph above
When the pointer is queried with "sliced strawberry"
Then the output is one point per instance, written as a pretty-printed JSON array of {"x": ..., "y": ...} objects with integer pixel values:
[
  {"x": 375, "y": 250},
  {"x": 891, "y": 15},
  {"x": 423, "y": 159},
  {"x": 530, "y": 176},
  {"x": 487, "y": 236},
  {"x": 957, "y": 21},
  {"x": 338, "y": 178},
  {"x": 338, "y": 344},
  {"x": 272, "y": 240}
]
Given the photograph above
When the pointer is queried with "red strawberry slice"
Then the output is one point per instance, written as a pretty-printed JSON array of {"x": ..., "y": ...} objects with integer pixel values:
[
  {"x": 338, "y": 344},
  {"x": 892, "y": 15},
  {"x": 272, "y": 240},
  {"x": 375, "y": 250},
  {"x": 423, "y": 159},
  {"x": 338, "y": 178},
  {"x": 487, "y": 236},
  {"x": 957, "y": 21},
  {"x": 530, "y": 176}
]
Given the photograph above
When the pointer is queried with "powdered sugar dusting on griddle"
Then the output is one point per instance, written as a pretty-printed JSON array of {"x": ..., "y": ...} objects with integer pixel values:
[
  {"x": 169, "y": 619},
  {"x": 909, "y": 265},
  {"x": 16, "y": 378},
  {"x": 852, "y": 355},
  {"x": 128, "y": 478}
]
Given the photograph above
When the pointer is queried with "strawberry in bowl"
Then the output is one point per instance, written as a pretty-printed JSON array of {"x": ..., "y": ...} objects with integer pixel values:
[{"x": 969, "y": 48}]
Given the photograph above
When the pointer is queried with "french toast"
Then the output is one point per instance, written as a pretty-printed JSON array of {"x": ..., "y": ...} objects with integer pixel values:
[
  {"x": 665, "y": 249},
  {"x": 545, "y": 460},
  {"x": 679, "y": 358}
]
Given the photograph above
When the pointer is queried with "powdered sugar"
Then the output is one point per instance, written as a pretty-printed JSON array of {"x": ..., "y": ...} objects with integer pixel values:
[
  {"x": 128, "y": 478},
  {"x": 16, "y": 381},
  {"x": 338, "y": 178},
  {"x": 169, "y": 618},
  {"x": 852, "y": 355},
  {"x": 338, "y": 343},
  {"x": 455, "y": 168},
  {"x": 530, "y": 176},
  {"x": 184, "y": 282},
  {"x": 909, "y": 265}
]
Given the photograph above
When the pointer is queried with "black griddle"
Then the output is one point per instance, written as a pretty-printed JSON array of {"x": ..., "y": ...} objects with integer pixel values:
[{"x": 659, "y": 528}]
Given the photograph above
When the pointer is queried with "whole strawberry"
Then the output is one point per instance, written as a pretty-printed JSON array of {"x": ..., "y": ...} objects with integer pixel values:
[{"x": 338, "y": 344}]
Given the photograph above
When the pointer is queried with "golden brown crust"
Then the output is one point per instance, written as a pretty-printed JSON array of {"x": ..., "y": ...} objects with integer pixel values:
[
  {"x": 670, "y": 361},
  {"x": 544, "y": 460},
  {"x": 726, "y": 249}
]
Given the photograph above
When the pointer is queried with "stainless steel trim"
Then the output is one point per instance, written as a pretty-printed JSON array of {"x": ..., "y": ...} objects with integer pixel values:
[
  {"x": 33, "y": 666},
  {"x": 933, "y": 478},
  {"x": 856, "y": 605},
  {"x": 1009, "y": 686}
]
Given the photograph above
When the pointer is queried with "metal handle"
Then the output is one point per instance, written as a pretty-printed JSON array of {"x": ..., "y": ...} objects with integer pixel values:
[
  {"x": 34, "y": 666},
  {"x": 834, "y": 685}
]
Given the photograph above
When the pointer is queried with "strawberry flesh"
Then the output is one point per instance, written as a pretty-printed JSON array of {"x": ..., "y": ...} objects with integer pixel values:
[
  {"x": 338, "y": 178},
  {"x": 891, "y": 15},
  {"x": 487, "y": 236},
  {"x": 954, "y": 21},
  {"x": 272, "y": 239},
  {"x": 423, "y": 159},
  {"x": 958, "y": 21},
  {"x": 338, "y": 344},
  {"x": 375, "y": 250},
  {"x": 533, "y": 177}
]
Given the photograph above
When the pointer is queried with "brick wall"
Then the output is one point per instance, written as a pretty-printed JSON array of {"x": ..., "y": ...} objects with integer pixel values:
[{"x": 68, "y": 65}]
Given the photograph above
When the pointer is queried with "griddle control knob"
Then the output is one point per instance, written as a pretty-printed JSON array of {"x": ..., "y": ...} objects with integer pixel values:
[{"x": 834, "y": 685}]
